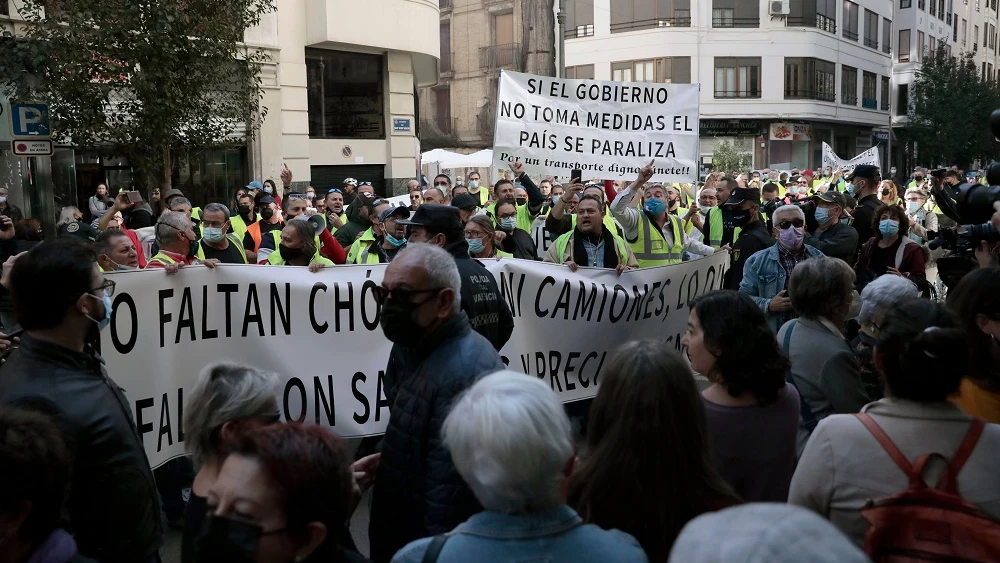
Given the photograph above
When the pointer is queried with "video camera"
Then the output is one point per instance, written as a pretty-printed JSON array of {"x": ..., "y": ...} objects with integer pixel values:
[{"x": 973, "y": 204}]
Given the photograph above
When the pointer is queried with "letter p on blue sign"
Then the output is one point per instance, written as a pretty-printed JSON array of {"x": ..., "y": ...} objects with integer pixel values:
[{"x": 30, "y": 120}]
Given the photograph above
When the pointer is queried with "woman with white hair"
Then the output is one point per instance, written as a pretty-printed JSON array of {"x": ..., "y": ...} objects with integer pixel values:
[
  {"x": 225, "y": 397},
  {"x": 510, "y": 440},
  {"x": 877, "y": 299}
]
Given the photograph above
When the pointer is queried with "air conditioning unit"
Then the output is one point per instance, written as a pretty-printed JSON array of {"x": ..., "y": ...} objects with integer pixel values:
[{"x": 778, "y": 7}]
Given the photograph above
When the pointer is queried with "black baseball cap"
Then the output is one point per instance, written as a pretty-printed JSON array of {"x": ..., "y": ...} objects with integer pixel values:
[
  {"x": 464, "y": 201},
  {"x": 741, "y": 195},
  {"x": 394, "y": 210},
  {"x": 864, "y": 171},
  {"x": 832, "y": 196},
  {"x": 435, "y": 217}
]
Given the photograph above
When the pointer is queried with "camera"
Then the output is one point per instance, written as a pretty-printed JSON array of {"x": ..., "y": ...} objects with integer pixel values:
[{"x": 974, "y": 203}]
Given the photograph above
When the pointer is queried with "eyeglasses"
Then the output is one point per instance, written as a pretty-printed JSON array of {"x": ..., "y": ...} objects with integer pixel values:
[
  {"x": 797, "y": 223},
  {"x": 108, "y": 287},
  {"x": 402, "y": 295},
  {"x": 297, "y": 196},
  {"x": 474, "y": 234},
  {"x": 335, "y": 191}
]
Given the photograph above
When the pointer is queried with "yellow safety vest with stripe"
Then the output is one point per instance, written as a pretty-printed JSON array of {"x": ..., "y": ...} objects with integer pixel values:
[
  {"x": 331, "y": 228},
  {"x": 239, "y": 226},
  {"x": 162, "y": 258},
  {"x": 715, "y": 230},
  {"x": 650, "y": 246},
  {"x": 502, "y": 254},
  {"x": 688, "y": 225},
  {"x": 563, "y": 241},
  {"x": 238, "y": 242},
  {"x": 275, "y": 259},
  {"x": 360, "y": 244}
]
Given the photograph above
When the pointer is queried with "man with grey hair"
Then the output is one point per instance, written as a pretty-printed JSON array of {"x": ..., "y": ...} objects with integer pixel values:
[
  {"x": 510, "y": 439},
  {"x": 435, "y": 356},
  {"x": 877, "y": 298},
  {"x": 766, "y": 273},
  {"x": 217, "y": 241},
  {"x": 178, "y": 244}
]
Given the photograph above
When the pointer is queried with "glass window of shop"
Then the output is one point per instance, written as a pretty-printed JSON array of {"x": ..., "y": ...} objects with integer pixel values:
[{"x": 345, "y": 94}]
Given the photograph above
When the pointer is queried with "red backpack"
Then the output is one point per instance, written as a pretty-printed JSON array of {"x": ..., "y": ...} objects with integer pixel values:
[{"x": 929, "y": 524}]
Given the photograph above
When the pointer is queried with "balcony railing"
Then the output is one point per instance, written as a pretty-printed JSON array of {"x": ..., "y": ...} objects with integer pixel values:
[
  {"x": 736, "y": 22},
  {"x": 873, "y": 43},
  {"x": 820, "y": 22},
  {"x": 580, "y": 31},
  {"x": 733, "y": 94},
  {"x": 823, "y": 96},
  {"x": 887, "y": 48},
  {"x": 682, "y": 18},
  {"x": 851, "y": 35},
  {"x": 885, "y": 105},
  {"x": 494, "y": 57},
  {"x": 869, "y": 103},
  {"x": 850, "y": 99}
]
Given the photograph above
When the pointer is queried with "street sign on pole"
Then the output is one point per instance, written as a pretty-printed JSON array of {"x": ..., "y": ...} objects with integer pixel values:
[
  {"x": 30, "y": 120},
  {"x": 5, "y": 135}
]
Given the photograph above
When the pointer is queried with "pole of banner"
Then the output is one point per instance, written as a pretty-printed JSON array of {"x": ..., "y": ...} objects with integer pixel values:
[{"x": 561, "y": 19}]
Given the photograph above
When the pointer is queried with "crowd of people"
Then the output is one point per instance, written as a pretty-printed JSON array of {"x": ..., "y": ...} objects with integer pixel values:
[{"x": 826, "y": 385}]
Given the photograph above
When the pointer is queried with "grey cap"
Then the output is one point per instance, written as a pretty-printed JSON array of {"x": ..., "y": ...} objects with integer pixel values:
[{"x": 763, "y": 533}]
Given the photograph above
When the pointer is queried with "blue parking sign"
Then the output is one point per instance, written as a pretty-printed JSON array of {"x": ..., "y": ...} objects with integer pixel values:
[{"x": 30, "y": 120}]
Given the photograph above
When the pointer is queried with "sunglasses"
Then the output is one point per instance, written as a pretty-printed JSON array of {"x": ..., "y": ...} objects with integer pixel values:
[
  {"x": 797, "y": 223},
  {"x": 365, "y": 184},
  {"x": 291, "y": 197},
  {"x": 335, "y": 190},
  {"x": 402, "y": 295}
]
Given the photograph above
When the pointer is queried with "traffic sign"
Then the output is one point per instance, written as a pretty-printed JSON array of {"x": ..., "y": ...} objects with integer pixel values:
[
  {"x": 30, "y": 120},
  {"x": 31, "y": 147},
  {"x": 5, "y": 135}
]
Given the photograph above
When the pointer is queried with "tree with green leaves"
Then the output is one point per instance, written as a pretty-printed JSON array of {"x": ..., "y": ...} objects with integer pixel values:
[
  {"x": 145, "y": 79},
  {"x": 950, "y": 111},
  {"x": 728, "y": 158}
]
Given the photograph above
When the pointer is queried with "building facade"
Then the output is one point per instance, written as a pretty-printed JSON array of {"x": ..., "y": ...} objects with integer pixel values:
[
  {"x": 778, "y": 77},
  {"x": 478, "y": 39}
]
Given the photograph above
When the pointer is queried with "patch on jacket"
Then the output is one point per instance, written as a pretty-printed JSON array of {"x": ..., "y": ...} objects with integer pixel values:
[
  {"x": 736, "y": 254},
  {"x": 73, "y": 227}
]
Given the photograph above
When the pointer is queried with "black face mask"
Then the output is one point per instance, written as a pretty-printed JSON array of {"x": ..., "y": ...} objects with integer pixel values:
[
  {"x": 225, "y": 539},
  {"x": 266, "y": 213},
  {"x": 522, "y": 201},
  {"x": 193, "y": 248},
  {"x": 918, "y": 179},
  {"x": 741, "y": 217},
  {"x": 399, "y": 322},
  {"x": 244, "y": 210},
  {"x": 289, "y": 254}
]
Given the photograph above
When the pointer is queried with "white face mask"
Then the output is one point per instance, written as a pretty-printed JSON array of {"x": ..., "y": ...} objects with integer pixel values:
[{"x": 3, "y": 199}]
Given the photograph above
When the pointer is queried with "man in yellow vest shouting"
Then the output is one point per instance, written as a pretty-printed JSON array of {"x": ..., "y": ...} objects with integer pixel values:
[{"x": 656, "y": 237}]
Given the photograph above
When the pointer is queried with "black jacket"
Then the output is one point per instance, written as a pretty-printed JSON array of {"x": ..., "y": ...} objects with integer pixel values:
[
  {"x": 419, "y": 492},
  {"x": 753, "y": 238},
  {"x": 864, "y": 214},
  {"x": 839, "y": 241},
  {"x": 355, "y": 225},
  {"x": 521, "y": 244},
  {"x": 488, "y": 313},
  {"x": 113, "y": 506}
]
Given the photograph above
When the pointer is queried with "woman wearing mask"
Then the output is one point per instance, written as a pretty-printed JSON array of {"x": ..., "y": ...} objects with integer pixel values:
[
  {"x": 922, "y": 353},
  {"x": 888, "y": 193},
  {"x": 923, "y": 223},
  {"x": 878, "y": 298},
  {"x": 648, "y": 468},
  {"x": 891, "y": 251},
  {"x": 298, "y": 247},
  {"x": 266, "y": 505},
  {"x": 977, "y": 303},
  {"x": 479, "y": 233},
  {"x": 753, "y": 414},
  {"x": 224, "y": 396}
]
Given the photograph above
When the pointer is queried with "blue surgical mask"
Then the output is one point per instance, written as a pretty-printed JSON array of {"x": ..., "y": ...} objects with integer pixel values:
[
  {"x": 655, "y": 206},
  {"x": 555, "y": 199},
  {"x": 475, "y": 245},
  {"x": 912, "y": 207},
  {"x": 888, "y": 227},
  {"x": 850, "y": 190},
  {"x": 213, "y": 234},
  {"x": 397, "y": 242},
  {"x": 267, "y": 189},
  {"x": 508, "y": 223},
  {"x": 101, "y": 324},
  {"x": 822, "y": 215}
]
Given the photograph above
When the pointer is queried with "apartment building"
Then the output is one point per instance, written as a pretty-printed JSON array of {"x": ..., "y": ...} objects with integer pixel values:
[
  {"x": 478, "y": 39},
  {"x": 962, "y": 26},
  {"x": 778, "y": 77}
]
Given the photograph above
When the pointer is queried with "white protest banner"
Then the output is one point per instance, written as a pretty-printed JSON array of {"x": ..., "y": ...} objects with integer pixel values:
[
  {"x": 831, "y": 159},
  {"x": 320, "y": 333},
  {"x": 609, "y": 130}
]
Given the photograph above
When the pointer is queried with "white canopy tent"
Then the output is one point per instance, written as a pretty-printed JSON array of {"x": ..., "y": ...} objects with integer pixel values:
[{"x": 449, "y": 159}]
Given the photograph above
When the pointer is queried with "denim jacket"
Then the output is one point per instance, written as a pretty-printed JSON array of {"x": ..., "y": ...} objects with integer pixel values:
[
  {"x": 764, "y": 278},
  {"x": 557, "y": 535}
]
